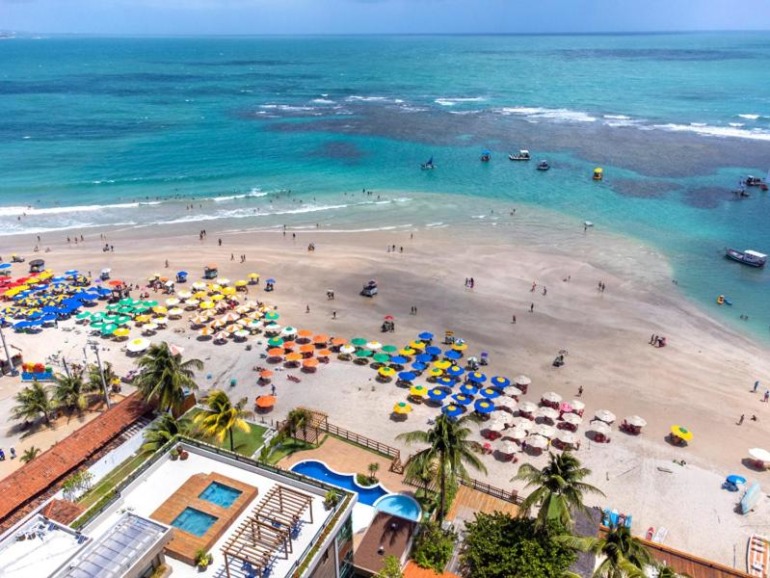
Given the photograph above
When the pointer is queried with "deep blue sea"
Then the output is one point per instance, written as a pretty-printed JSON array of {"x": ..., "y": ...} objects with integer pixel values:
[{"x": 113, "y": 131}]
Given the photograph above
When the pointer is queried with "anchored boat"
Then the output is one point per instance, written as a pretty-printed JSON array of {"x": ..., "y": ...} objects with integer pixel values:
[
  {"x": 522, "y": 156},
  {"x": 747, "y": 257}
]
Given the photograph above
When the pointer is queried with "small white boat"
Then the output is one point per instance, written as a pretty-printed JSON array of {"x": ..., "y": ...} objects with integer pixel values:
[
  {"x": 543, "y": 166},
  {"x": 522, "y": 156},
  {"x": 747, "y": 257}
]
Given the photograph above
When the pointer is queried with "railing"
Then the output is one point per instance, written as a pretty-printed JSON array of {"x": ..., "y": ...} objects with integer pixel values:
[
  {"x": 360, "y": 440},
  {"x": 508, "y": 496}
]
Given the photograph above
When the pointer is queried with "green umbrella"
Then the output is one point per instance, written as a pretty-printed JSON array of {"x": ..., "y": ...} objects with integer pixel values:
[
  {"x": 272, "y": 315},
  {"x": 150, "y": 304},
  {"x": 98, "y": 316},
  {"x": 108, "y": 329},
  {"x": 83, "y": 315},
  {"x": 113, "y": 307},
  {"x": 140, "y": 308},
  {"x": 275, "y": 341},
  {"x": 363, "y": 353},
  {"x": 96, "y": 325},
  {"x": 122, "y": 320},
  {"x": 126, "y": 302},
  {"x": 358, "y": 341},
  {"x": 381, "y": 357},
  {"x": 389, "y": 349},
  {"x": 126, "y": 310}
]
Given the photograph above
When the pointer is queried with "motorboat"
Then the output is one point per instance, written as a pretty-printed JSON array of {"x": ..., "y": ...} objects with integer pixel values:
[
  {"x": 747, "y": 257},
  {"x": 486, "y": 156},
  {"x": 598, "y": 174},
  {"x": 543, "y": 166},
  {"x": 522, "y": 156},
  {"x": 752, "y": 181}
]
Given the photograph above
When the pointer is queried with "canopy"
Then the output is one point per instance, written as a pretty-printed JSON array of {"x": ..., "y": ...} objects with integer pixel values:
[
  {"x": 483, "y": 406},
  {"x": 537, "y": 442},
  {"x": 418, "y": 390},
  {"x": 138, "y": 345},
  {"x": 681, "y": 432},
  {"x": 500, "y": 381},
  {"x": 452, "y": 410},
  {"x": 551, "y": 397},
  {"x": 522, "y": 380},
  {"x": 605, "y": 415},
  {"x": 600, "y": 427},
  {"x": 759, "y": 454},
  {"x": 265, "y": 401},
  {"x": 636, "y": 421},
  {"x": 437, "y": 394},
  {"x": 402, "y": 408},
  {"x": 527, "y": 407}
]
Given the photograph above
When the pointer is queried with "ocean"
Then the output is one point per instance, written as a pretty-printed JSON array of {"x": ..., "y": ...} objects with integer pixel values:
[{"x": 129, "y": 132}]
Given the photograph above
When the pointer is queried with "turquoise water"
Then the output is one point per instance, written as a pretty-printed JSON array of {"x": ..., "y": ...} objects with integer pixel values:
[
  {"x": 194, "y": 521},
  {"x": 319, "y": 471},
  {"x": 400, "y": 505},
  {"x": 131, "y": 132},
  {"x": 220, "y": 494}
]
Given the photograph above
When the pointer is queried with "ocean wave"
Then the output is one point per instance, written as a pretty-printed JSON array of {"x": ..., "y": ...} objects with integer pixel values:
[
  {"x": 454, "y": 101},
  {"x": 717, "y": 131},
  {"x": 536, "y": 114},
  {"x": 255, "y": 193},
  {"x": 14, "y": 230},
  {"x": 750, "y": 116},
  {"x": 737, "y": 124},
  {"x": 14, "y": 211},
  {"x": 323, "y": 101},
  {"x": 359, "y": 98}
]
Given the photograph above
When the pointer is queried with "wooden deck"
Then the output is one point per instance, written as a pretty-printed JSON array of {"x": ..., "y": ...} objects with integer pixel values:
[
  {"x": 685, "y": 563},
  {"x": 184, "y": 545},
  {"x": 469, "y": 501}
]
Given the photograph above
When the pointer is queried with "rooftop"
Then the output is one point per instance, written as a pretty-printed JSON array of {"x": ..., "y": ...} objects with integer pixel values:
[{"x": 388, "y": 535}]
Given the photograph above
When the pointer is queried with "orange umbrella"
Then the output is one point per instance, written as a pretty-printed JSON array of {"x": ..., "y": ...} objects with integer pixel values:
[
  {"x": 339, "y": 341},
  {"x": 287, "y": 345},
  {"x": 311, "y": 362},
  {"x": 293, "y": 357},
  {"x": 265, "y": 374},
  {"x": 304, "y": 333},
  {"x": 307, "y": 348},
  {"x": 266, "y": 401},
  {"x": 321, "y": 338},
  {"x": 275, "y": 352},
  {"x": 323, "y": 353}
]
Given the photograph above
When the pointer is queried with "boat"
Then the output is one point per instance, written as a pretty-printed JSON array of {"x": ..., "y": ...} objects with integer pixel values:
[
  {"x": 543, "y": 166},
  {"x": 750, "y": 498},
  {"x": 747, "y": 257},
  {"x": 722, "y": 300},
  {"x": 428, "y": 166},
  {"x": 522, "y": 156},
  {"x": 598, "y": 174},
  {"x": 752, "y": 181},
  {"x": 757, "y": 556},
  {"x": 486, "y": 156}
]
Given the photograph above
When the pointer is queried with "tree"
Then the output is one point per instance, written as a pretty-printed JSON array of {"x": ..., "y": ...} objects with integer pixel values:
[
  {"x": 433, "y": 547},
  {"x": 95, "y": 378},
  {"x": 559, "y": 490},
  {"x": 163, "y": 376},
  {"x": 69, "y": 392},
  {"x": 32, "y": 401},
  {"x": 500, "y": 546},
  {"x": 623, "y": 555},
  {"x": 391, "y": 568},
  {"x": 162, "y": 430},
  {"x": 373, "y": 469},
  {"x": 298, "y": 419},
  {"x": 29, "y": 454},
  {"x": 223, "y": 417},
  {"x": 665, "y": 571},
  {"x": 449, "y": 446}
]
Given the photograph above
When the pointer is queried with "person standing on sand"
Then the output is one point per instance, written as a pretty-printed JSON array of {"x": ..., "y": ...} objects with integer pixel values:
[
  {"x": 580, "y": 391},
  {"x": 766, "y": 396},
  {"x": 513, "y": 320},
  {"x": 756, "y": 386},
  {"x": 531, "y": 307},
  {"x": 740, "y": 421}
]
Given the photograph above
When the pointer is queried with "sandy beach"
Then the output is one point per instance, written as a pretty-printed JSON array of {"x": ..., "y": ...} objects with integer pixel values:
[{"x": 702, "y": 379}]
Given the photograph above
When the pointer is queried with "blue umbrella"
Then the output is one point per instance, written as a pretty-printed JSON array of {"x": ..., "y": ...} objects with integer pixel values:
[
  {"x": 483, "y": 406},
  {"x": 71, "y": 272},
  {"x": 5, "y": 266},
  {"x": 501, "y": 382},
  {"x": 407, "y": 376},
  {"x": 35, "y": 322},
  {"x": 433, "y": 350},
  {"x": 452, "y": 410},
  {"x": 22, "y": 324},
  {"x": 419, "y": 366},
  {"x": 424, "y": 358},
  {"x": 50, "y": 309},
  {"x": 398, "y": 359},
  {"x": 425, "y": 336},
  {"x": 48, "y": 317},
  {"x": 469, "y": 389},
  {"x": 463, "y": 399},
  {"x": 437, "y": 394},
  {"x": 455, "y": 371},
  {"x": 453, "y": 355},
  {"x": 182, "y": 273},
  {"x": 445, "y": 381},
  {"x": 271, "y": 281},
  {"x": 477, "y": 377},
  {"x": 736, "y": 480},
  {"x": 490, "y": 392}
]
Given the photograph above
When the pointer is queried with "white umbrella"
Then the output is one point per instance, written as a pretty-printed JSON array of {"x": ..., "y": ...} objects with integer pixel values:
[
  {"x": 523, "y": 422},
  {"x": 605, "y": 415},
  {"x": 192, "y": 303},
  {"x": 175, "y": 312},
  {"x": 272, "y": 329},
  {"x": 231, "y": 317},
  {"x": 522, "y": 380},
  {"x": 600, "y": 427},
  {"x": 509, "y": 447},
  {"x": 347, "y": 349},
  {"x": 506, "y": 402},
  {"x": 162, "y": 321},
  {"x": 547, "y": 413},
  {"x": 199, "y": 285},
  {"x": 513, "y": 391},
  {"x": 138, "y": 345},
  {"x": 497, "y": 426},
  {"x": 150, "y": 328},
  {"x": 544, "y": 430},
  {"x": 760, "y": 454},
  {"x": 517, "y": 433},
  {"x": 537, "y": 442},
  {"x": 577, "y": 405},
  {"x": 241, "y": 334},
  {"x": 551, "y": 397},
  {"x": 374, "y": 345},
  {"x": 288, "y": 331},
  {"x": 636, "y": 421},
  {"x": 221, "y": 336},
  {"x": 567, "y": 437},
  {"x": 502, "y": 416},
  {"x": 224, "y": 282},
  {"x": 184, "y": 294},
  {"x": 572, "y": 418},
  {"x": 172, "y": 301},
  {"x": 527, "y": 407}
]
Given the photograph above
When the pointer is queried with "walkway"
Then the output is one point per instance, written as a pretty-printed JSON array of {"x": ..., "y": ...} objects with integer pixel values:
[{"x": 469, "y": 501}]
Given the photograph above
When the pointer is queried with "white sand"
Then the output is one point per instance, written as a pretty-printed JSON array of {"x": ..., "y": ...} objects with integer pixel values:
[{"x": 701, "y": 380}]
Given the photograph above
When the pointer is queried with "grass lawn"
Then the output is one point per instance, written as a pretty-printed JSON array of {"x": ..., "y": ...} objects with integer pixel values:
[
  {"x": 112, "y": 479},
  {"x": 289, "y": 447},
  {"x": 246, "y": 443}
]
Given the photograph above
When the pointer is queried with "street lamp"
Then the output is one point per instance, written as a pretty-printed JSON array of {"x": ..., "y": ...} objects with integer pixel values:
[
  {"x": 95, "y": 348},
  {"x": 7, "y": 353}
]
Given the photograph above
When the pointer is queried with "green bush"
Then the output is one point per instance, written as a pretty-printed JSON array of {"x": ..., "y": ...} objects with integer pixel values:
[
  {"x": 364, "y": 480},
  {"x": 433, "y": 547}
]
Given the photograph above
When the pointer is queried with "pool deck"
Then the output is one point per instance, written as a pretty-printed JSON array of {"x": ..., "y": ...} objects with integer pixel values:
[
  {"x": 184, "y": 545},
  {"x": 469, "y": 501}
]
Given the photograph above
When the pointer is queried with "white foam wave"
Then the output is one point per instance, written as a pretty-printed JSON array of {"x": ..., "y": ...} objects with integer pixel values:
[
  {"x": 255, "y": 193},
  {"x": 323, "y": 101},
  {"x": 358, "y": 98},
  {"x": 454, "y": 101},
  {"x": 737, "y": 124},
  {"x": 12, "y": 230},
  {"x": 14, "y": 211},
  {"x": 717, "y": 131},
  {"x": 617, "y": 117},
  {"x": 536, "y": 114},
  {"x": 749, "y": 116}
]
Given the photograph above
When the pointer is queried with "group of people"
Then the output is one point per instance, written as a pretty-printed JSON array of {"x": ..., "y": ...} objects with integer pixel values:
[
  {"x": 469, "y": 282},
  {"x": 12, "y": 451},
  {"x": 657, "y": 340}
]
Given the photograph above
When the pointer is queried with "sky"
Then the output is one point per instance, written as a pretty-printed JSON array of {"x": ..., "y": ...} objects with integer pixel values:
[{"x": 191, "y": 17}]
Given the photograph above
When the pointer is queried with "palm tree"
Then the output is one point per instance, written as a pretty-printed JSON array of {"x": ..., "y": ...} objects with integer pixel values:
[
  {"x": 31, "y": 402},
  {"x": 373, "y": 469},
  {"x": 623, "y": 555},
  {"x": 223, "y": 417},
  {"x": 163, "y": 376},
  {"x": 559, "y": 490},
  {"x": 95, "y": 377},
  {"x": 69, "y": 392},
  {"x": 298, "y": 419},
  {"x": 29, "y": 454},
  {"x": 162, "y": 430},
  {"x": 449, "y": 447},
  {"x": 666, "y": 571}
]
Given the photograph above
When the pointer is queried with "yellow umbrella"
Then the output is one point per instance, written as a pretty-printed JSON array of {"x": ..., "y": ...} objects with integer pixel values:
[
  {"x": 142, "y": 318},
  {"x": 241, "y": 283},
  {"x": 253, "y": 275},
  {"x": 160, "y": 310},
  {"x": 408, "y": 351},
  {"x": 228, "y": 291},
  {"x": 681, "y": 432},
  {"x": 121, "y": 332},
  {"x": 435, "y": 372},
  {"x": 200, "y": 295},
  {"x": 402, "y": 408},
  {"x": 443, "y": 364},
  {"x": 207, "y": 305},
  {"x": 215, "y": 287},
  {"x": 417, "y": 345},
  {"x": 418, "y": 390},
  {"x": 386, "y": 371},
  {"x": 459, "y": 346},
  {"x": 217, "y": 297}
]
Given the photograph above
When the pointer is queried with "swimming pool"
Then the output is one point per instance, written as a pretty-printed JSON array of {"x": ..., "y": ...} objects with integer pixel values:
[
  {"x": 194, "y": 521},
  {"x": 320, "y": 471},
  {"x": 220, "y": 494},
  {"x": 400, "y": 505}
]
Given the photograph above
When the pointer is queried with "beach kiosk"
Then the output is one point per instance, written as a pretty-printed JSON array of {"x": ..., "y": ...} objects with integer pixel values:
[
  {"x": 105, "y": 274},
  {"x": 36, "y": 265},
  {"x": 598, "y": 174},
  {"x": 210, "y": 272}
]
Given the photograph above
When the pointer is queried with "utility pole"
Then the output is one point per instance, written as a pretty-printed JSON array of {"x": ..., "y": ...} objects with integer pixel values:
[
  {"x": 11, "y": 368},
  {"x": 95, "y": 348}
]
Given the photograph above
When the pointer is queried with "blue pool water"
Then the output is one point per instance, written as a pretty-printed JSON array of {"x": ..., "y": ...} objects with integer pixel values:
[
  {"x": 320, "y": 471},
  {"x": 400, "y": 505},
  {"x": 194, "y": 521},
  {"x": 220, "y": 494}
]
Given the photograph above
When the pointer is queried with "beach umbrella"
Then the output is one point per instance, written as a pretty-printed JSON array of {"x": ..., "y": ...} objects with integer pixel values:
[
  {"x": 358, "y": 341},
  {"x": 402, "y": 408},
  {"x": 452, "y": 410},
  {"x": 83, "y": 315},
  {"x": 550, "y": 397},
  {"x": 275, "y": 341},
  {"x": 546, "y": 431},
  {"x": 462, "y": 399},
  {"x": 477, "y": 377},
  {"x": 265, "y": 401},
  {"x": 491, "y": 393},
  {"x": 496, "y": 426},
  {"x": 172, "y": 301},
  {"x": 362, "y": 353},
  {"x": 175, "y": 312},
  {"x": 121, "y": 332},
  {"x": 108, "y": 329},
  {"x": 453, "y": 355},
  {"x": 500, "y": 382},
  {"x": 425, "y": 336},
  {"x": 160, "y": 309},
  {"x": 253, "y": 275},
  {"x": 207, "y": 305},
  {"x": 605, "y": 415},
  {"x": 506, "y": 402},
  {"x": 547, "y": 413},
  {"x": 323, "y": 353},
  {"x": 577, "y": 405},
  {"x": 759, "y": 454},
  {"x": 241, "y": 283},
  {"x": 221, "y": 337},
  {"x": 572, "y": 418},
  {"x": 304, "y": 333},
  {"x": 241, "y": 334},
  {"x": 434, "y": 372},
  {"x": 423, "y": 358},
  {"x": 508, "y": 447},
  {"x": 566, "y": 437},
  {"x": 443, "y": 364},
  {"x": 407, "y": 351},
  {"x": 288, "y": 331},
  {"x": 600, "y": 427},
  {"x": 390, "y": 349},
  {"x": 446, "y": 381},
  {"x": 150, "y": 327},
  {"x": 272, "y": 316},
  {"x": 513, "y": 391},
  {"x": 455, "y": 371},
  {"x": 399, "y": 360},
  {"x": 537, "y": 442},
  {"x": 198, "y": 285},
  {"x": 527, "y": 407},
  {"x": 206, "y": 332},
  {"x": 483, "y": 406},
  {"x": 224, "y": 282},
  {"x": 407, "y": 376},
  {"x": 386, "y": 371},
  {"x": 347, "y": 349},
  {"x": 437, "y": 394},
  {"x": 636, "y": 421},
  {"x": 113, "y": 307},
  {"x": 459, "y": 346},
  {"x": 138, "y": 345},
  {"x": 161, "y": 321},
  {"x": 374, "y": 345},
  {"x": 522, "y": 380},
  {"x": 417, "y": 366},
  {"x": 184, "y": 294},
  {"x": 294, "y": 356},
  {"x": 736, "y": 480},
  {"x": 469, "y": 389},
  {"x": 381, "y": 357},
  {"x": 517, "y": 433},
  {"x": 272, "y": 328},
  {"x": 417, "y": 345},
  {"x": 274, "y": 352},
  {"x": 289, "y": 344},
  {"x": 418, "y": 391}
]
